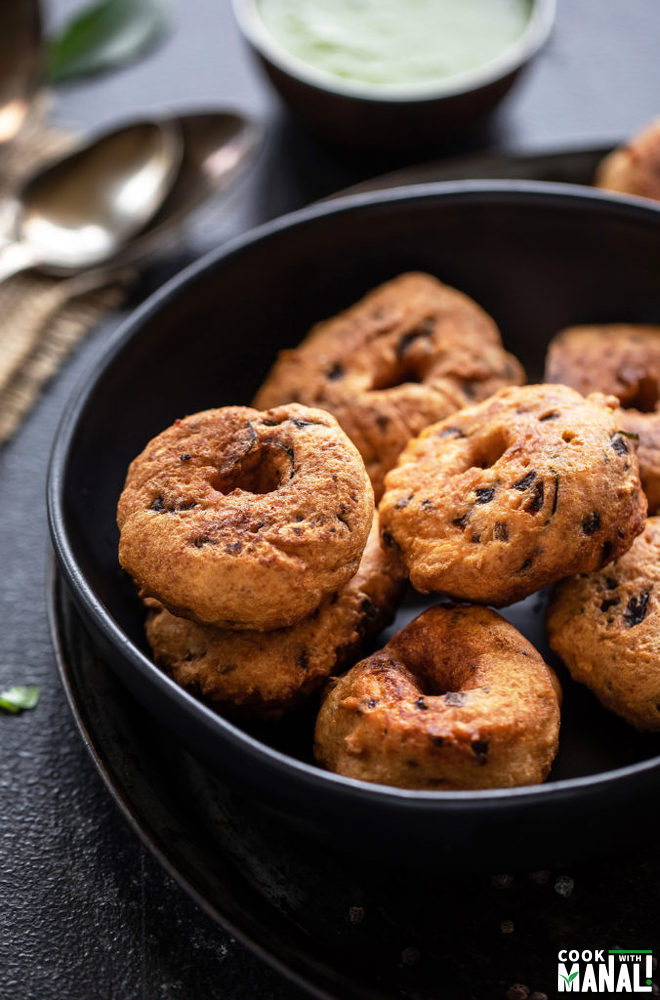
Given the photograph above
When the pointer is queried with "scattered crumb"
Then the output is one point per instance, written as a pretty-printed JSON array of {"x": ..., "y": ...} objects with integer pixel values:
[
  {"x": 517, "y": 992},
  {"x": 564, "y": 886},
  {"x": 501, "y": 881}
]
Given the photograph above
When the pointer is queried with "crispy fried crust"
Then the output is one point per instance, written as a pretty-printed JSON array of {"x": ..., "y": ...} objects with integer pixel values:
[
  {"x": 622, "y": 359},
  {"x": 635, "y": 167},
  {"x": 264, "y": 675},
  {"x": 409, "y": 353},
  {"x": 511, "y": 495},
  {"x": 606, "y": 628},
  {"x": 619, "y": 359},
  {"x": 246, "y": 520},
  {"x": 645, "y": 427},
  {"x": 457, "y": 699}
]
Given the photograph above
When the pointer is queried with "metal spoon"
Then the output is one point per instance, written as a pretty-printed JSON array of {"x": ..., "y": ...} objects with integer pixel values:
[
  {"x": 83, "y": 210},
  {"x": 21, "y": 63},
  {"x": 217, "y": 146}
]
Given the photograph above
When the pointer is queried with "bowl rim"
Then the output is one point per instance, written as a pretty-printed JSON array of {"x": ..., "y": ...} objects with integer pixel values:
[
  {"x": 259, "y": 753},
  {"x": 512, "y": 58}
]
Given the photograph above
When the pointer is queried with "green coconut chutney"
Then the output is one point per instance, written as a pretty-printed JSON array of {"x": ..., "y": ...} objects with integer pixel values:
[{"x": 395, "y": 41}]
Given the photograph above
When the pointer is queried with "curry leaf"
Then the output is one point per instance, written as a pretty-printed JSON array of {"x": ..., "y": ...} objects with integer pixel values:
[
  {"x": 108, "y": 34},
  {"x": 19, "y": 697},
  {"x": 629, "y": 435}
]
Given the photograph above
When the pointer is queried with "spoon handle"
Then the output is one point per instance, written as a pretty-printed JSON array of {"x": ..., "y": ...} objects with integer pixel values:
[{"x": 14, "y": 258}]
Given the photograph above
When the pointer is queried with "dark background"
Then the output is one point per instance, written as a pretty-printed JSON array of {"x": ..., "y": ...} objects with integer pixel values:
[{"x": 85, "y": 913}]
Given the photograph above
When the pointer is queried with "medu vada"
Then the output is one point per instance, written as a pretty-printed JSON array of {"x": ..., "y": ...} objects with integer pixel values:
[
  {"x": 508, "y": 496},
  {"x": 643, "y": 429},
  {"x": 265, "y": 674},
  {"x": 605, "y": 626},
  {"x": 409, "y": 353},
  {"x": 635, "y": 167},
  {"x": 246, "y": 520},
  {"x": 457, "y": 699},
  {"x": 621, "y": 359}
]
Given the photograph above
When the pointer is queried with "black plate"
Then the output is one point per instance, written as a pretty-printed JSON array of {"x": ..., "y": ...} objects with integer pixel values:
[
  {"x": 566, "y": 166},
  {"x": 344, "y": 929},
  {"x": 536, "y": 256}
]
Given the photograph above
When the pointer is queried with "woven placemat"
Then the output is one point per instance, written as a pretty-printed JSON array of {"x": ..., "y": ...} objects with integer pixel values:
[{"x": 41, "y": 318}]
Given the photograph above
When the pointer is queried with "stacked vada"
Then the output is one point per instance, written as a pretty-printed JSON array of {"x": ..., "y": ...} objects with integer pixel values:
[
  {"x": 264, "y": 675},
  {"x": 251, "y": 537},
  {"x": 408, "y": 354},
  {"x": 265, "y": 570}
]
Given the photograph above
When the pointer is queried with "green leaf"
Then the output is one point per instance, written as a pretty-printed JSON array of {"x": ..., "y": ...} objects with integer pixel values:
[
  {"x": 106, "y": 35},
  {"x": 629, "y": 435},
  {"x": 571, "y": 977},
  {"x": 19, "y": 697}
]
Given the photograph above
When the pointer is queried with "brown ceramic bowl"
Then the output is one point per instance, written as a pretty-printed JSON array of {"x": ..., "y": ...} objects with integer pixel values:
[{"x": 394, "y": 116}]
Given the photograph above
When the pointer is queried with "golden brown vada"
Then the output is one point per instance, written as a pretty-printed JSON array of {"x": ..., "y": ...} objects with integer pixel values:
[
  {"x": 410, "y": 352},
  {"x": 635, "y": 167},
  {"x": 265, "y": 674},
  {"x": 457, "y": 699},
  {"x": 618, "y": 359},
  {"x": 606, "y": 628},
  {"x": 246, "y": 520},
  {"x": 622, "y": 359},
  {"x": 506, "y": 497}
]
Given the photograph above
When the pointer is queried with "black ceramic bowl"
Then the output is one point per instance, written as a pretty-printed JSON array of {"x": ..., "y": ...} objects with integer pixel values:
[
  {"x": 537, "y": 257},
  {"x": 393, "y": 117}
]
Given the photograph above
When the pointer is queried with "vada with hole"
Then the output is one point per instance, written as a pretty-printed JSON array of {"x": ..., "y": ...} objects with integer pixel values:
[
  {"x": 458, "y": 699},
  {"x": 410, "y": 352},
  {"x": 246, "y": 520},
  {"x": 506, "y": 497}
]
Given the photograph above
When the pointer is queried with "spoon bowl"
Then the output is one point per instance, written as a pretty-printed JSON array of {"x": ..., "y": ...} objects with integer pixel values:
[
  {"x": 118, "y": 199},
  {"x": 83, "y": 209}
]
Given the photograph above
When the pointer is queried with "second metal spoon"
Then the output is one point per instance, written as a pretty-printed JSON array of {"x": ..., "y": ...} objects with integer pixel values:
[{"x": 83, "y": 210}]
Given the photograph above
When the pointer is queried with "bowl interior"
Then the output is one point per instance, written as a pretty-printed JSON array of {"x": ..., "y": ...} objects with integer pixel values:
[{"x": 537, "y": 257}]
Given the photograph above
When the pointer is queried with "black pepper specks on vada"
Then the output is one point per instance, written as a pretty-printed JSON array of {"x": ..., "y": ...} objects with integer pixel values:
[
  {"x": 243, "y": 519},
  {"x": 410, "y": 352},
  {"x": 506, "y": 497},
  {"x": 457, "y": 699},
  {"x": 606, "y": 628}
]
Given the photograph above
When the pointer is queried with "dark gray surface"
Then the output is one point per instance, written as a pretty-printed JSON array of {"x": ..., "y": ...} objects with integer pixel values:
[{"x": 85, "y": 913}]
